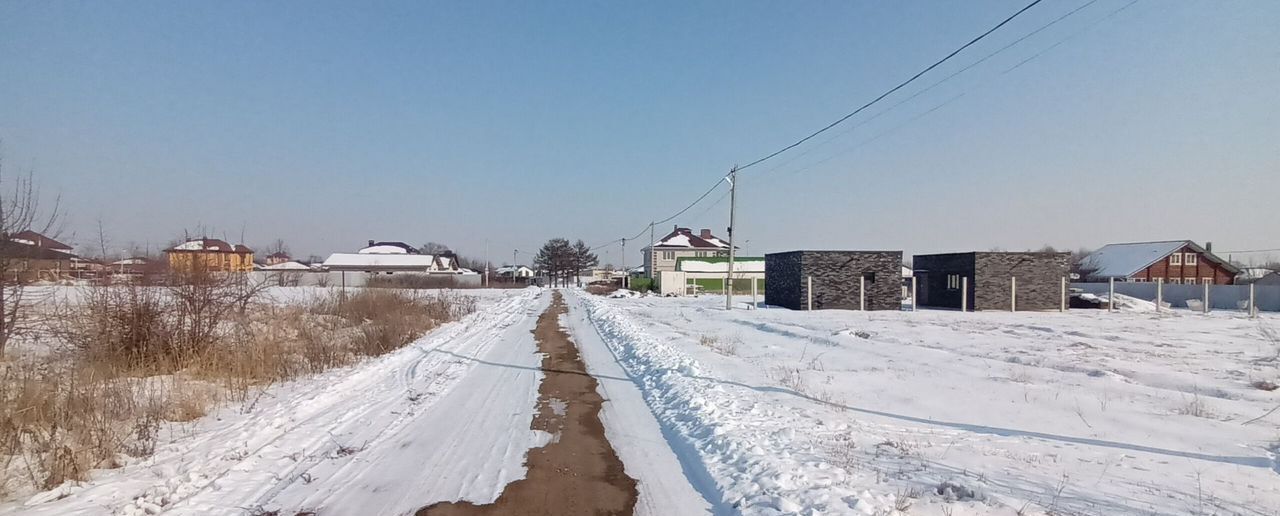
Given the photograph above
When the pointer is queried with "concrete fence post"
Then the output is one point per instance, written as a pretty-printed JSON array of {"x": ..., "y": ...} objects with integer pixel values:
[
  {"x": 754, "y": 304},
  {"x": 1159, "y": 293},
  {"x": 810, "y": 292},
  {"x": 862, "y": 293},
  {"x": 1013, "y": 294},
  {"x": 913, "y": 293},
  {"x": 1062, "y": 305},
  {"x": 1111, "y": 295},
  {"x": 1253, "y": 309},
  {"x": 1206, "y": 298},
  {"x": 964, "y": 294}
]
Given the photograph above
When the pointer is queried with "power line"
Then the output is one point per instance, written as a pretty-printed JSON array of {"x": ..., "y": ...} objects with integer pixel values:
[
  {"x": 1249, "y": 251},
  {"x": 930, "y": 87},
  {"x": 668, "y": 219},
  {"x": 895, "y": 88}
]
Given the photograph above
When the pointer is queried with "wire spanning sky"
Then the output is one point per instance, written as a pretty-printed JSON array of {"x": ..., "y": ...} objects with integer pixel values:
[{"x": 502, "y": 124}]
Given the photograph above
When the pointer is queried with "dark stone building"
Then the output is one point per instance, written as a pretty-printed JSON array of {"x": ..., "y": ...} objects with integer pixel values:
[
  {"x": 939, "y": 279},
  {"x": 835, "y": 279}
]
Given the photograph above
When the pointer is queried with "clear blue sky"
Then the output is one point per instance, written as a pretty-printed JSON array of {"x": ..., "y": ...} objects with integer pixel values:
[{"x": 327, "y": 124}]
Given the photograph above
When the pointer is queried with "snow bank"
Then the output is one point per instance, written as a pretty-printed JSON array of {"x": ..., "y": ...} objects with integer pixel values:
[{"x": 758, "y": 461}]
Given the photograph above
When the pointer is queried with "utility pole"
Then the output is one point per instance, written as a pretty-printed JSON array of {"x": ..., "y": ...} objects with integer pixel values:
[
  {"x": 513, "y": 265},
  {"x": 733, "y": 201},
  {"x": 626, "y": 274},
  {"x": 486, "y": 263},
  {"x": 649, "y": 257}
]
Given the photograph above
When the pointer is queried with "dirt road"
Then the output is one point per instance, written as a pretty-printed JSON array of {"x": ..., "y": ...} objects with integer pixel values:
[{"x": 579, "y": 472}]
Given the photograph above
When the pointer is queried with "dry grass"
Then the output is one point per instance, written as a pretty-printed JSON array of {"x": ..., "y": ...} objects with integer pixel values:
[
  {"x": 140, "y": 357},
  {"x": 61, "y": 418},
  {"x": 724, "y": 347}
]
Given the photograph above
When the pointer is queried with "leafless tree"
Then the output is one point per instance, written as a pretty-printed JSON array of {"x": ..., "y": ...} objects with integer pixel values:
[
  {"x": 433, "y": 248},
  {"x": 278, "y": 246},
  {"x": 19, "y": 211}
]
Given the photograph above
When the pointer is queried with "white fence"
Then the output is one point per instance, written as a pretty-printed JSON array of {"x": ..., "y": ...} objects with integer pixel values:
[
  {"x": 1221, "y": 297},
  {"x": 357, "y": 279}
]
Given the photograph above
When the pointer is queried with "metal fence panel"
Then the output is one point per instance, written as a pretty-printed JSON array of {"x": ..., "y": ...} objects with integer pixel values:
[{"x": 1221, "y": 297}]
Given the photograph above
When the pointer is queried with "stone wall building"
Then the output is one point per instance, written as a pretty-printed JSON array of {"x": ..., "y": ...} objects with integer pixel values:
[
  {"x": 940, "y": 279},
  {"x": 837, "y": 278}
]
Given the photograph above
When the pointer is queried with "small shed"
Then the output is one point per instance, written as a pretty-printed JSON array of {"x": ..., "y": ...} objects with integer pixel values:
[
  {"x": 838, "y": 279},
  {"x": 990, "y": 280}
]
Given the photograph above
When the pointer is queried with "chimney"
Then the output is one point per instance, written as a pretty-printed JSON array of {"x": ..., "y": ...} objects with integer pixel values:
[
  {"x": 1208, "y": 247},
  {"x": 705, "y": 234},
  {"x": 370, "y": 244}
]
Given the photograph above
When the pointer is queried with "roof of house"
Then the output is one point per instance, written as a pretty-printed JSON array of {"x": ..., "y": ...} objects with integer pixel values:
[
  {"x": 279, "y": 254},
  {"x": 32, "y": 238},
  {"x": 287, "y": 266},
  {"x": 18, "y": 249},
  {"x": 721, "y": 265},
  {"x": 389, "y": 261},
  {"x": 685, "y": 239},
  {"x": 208, "y": 245},
  {"x": 507, "y": 268},
  {"x": 1124, "y": 260},
  {"x": 388, "y": 248}
]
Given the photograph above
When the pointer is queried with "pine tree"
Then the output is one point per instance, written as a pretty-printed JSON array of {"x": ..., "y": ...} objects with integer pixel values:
[{"x": 583, "y": 259}]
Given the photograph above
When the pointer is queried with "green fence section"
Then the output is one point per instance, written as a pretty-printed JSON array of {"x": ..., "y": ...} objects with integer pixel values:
[
  {"x": 740, "y": 286},
  {"x": 643, "y": 284}
]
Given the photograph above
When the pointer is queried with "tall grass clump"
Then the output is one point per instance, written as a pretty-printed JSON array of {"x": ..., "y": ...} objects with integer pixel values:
[{"x": 128, "y": 360}]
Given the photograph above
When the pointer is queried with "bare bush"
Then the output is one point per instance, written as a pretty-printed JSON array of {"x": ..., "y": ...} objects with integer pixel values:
[{"x": 140, "y": 357}]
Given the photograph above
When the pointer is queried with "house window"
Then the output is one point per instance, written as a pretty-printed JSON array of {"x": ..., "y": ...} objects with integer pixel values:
[
  {"x": 953, "y": 282},
  {"x": 1191, "y": 259},
  {"x": 1206, "y": 281},
  {"x": 1175, "y": 259},
  {"x": 1138, "y": 280},
  {"x": 668, "y": 255},
  {"x": 1175, "y": 281},
  {"x": 869, "y": 277}
]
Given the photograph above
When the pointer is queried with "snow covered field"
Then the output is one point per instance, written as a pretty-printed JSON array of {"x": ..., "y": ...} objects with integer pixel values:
[
  {"x": 386, "y": 436},
  {"x": 956, "y": 413},
  {"x": 764, "y": 411}
]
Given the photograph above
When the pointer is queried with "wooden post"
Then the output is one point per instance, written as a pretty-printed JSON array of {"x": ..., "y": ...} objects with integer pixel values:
[
  {"x": 1205, "y": 308},
  {"x": 1062, "y": 306},
  {"x": 1111, "y": 295},
  {"x": 1013, "y": 294},
  {"x": 810, "y": 292},
  {"x": 862, "y": 293},
  {"x": 913, "y": 293},
  {"x": 964, "y": 294}
]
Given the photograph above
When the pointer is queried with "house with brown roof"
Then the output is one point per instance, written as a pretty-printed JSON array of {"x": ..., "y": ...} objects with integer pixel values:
[
  {"x": 209, "y": 254},
  {"x": 278, "y": 257},
  {"x": 681, "y": 243},
  {"x": 31, "y": 256}
]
